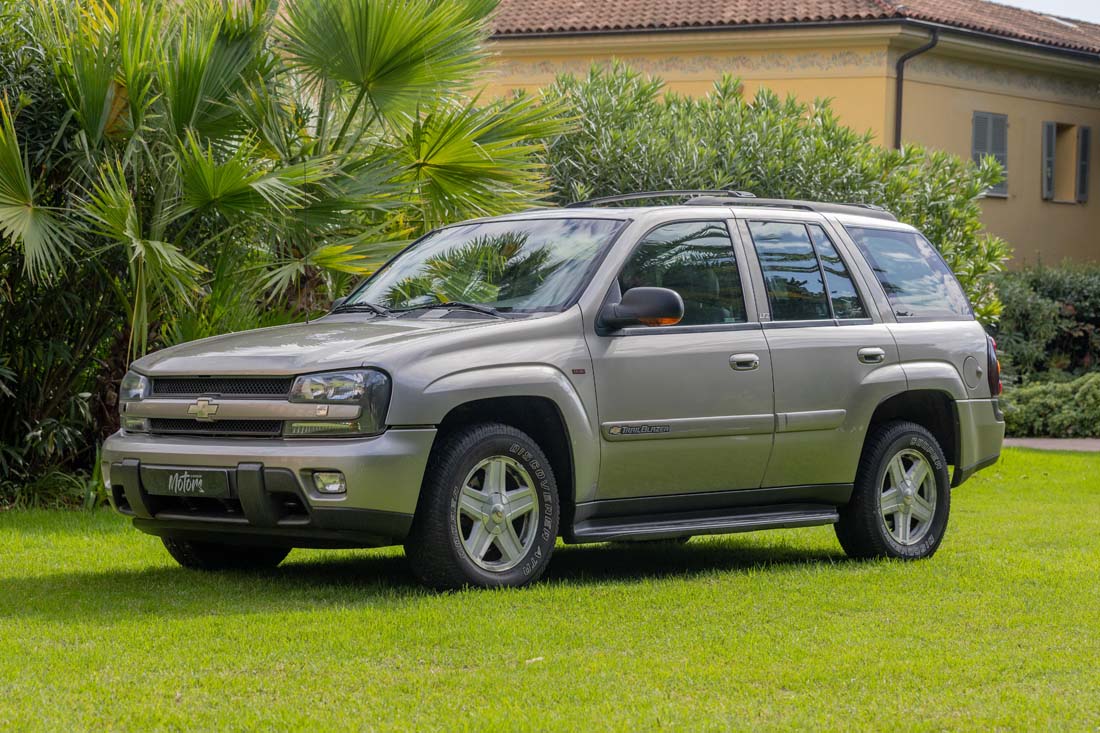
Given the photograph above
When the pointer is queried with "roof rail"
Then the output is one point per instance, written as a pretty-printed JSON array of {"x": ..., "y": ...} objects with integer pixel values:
[
  {"x": 869, "y": 210},
  {"x": 704, "y": 197},
  {"x": 739, "y": 195}
]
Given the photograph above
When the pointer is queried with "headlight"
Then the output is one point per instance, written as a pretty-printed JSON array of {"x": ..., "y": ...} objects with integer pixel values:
[
  {"x": 331, "y": 387},
  {"x": 369, "y": 388},
  {"x": 134, "y": 387}
]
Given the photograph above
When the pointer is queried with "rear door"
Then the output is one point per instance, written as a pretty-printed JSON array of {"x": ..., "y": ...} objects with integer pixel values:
[
  {"x": 685, "y": 409},
  {"x": 833, "y": 360}
]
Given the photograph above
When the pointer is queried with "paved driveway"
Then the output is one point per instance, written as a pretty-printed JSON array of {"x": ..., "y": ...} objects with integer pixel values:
[{"x": 1089, "y": 445}]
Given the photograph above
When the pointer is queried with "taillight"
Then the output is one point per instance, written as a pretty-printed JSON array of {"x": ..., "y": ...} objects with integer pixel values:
[{"x": 993, "y": 367}]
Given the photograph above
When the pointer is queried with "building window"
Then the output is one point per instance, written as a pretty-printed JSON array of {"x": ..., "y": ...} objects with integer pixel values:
[
  {"x": 1066, "y": 150},
  {"x": 990, "y": 137}
]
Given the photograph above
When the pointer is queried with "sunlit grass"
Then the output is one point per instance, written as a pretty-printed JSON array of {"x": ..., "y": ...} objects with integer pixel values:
[{"x": 99, "y": 629}]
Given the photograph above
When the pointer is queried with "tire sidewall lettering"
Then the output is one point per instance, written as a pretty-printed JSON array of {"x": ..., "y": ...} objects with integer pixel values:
[{"x": 927, "y": 450}]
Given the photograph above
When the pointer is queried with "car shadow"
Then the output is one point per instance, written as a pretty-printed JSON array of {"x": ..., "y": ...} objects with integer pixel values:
[
  {"x": 586, "y": 564},
  {"x": 381, "y": 580}
]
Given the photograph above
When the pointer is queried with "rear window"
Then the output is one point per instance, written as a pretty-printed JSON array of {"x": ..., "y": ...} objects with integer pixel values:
[{"x": 916, "y": 279}]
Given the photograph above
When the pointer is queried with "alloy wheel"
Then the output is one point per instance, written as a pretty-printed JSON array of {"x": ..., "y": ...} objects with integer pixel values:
[
  {"x": 908, "y": 498},
  {"x": 498, "y": 513}
]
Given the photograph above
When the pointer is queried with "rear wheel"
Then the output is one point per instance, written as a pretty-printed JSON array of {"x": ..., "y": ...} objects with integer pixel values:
[
  {"x": 902, "y": 496},
  {"x": 488, "y": 513},
  {"x": 219, "y": 556}
]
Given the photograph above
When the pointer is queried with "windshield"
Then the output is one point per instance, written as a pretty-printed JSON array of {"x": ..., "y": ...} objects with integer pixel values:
[{"x": 519, "y": 266}]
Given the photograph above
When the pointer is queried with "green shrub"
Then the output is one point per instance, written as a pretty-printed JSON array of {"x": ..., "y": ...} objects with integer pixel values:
[
  {"x": 55, "y": 489},
  {"x": 1056, "y": 409},
  {"x": 1050, "y": 323},
  {"x": 632, "y": 136}
]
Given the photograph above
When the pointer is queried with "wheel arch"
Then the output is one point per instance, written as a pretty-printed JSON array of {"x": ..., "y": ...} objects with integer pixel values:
[
  {"x": 493, "y": 392},
  {"x": 539, "y": 417},
  {"x": 933, "y": 409}
]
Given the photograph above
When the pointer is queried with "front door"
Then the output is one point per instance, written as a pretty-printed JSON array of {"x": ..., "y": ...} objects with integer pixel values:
[{"x": 688, "y": 408}]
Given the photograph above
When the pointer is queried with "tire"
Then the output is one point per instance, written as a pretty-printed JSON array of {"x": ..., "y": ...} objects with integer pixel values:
[
  {"x": 218, "y": 556},
  {"x": 467, "y": 530},
  {"x": 905, "y": 459}
]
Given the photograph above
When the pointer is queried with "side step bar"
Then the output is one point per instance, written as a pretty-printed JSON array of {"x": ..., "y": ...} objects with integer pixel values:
[{"x": 668, "y": 526}]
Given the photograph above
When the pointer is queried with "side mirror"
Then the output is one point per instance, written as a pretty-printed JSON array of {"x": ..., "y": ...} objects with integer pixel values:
[
  {"x": 644, "y": 306},
  {"x": 337, "y": 303}
]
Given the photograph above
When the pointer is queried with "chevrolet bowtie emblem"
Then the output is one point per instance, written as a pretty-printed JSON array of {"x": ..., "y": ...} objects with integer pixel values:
[{"x": 204, "y": 410}]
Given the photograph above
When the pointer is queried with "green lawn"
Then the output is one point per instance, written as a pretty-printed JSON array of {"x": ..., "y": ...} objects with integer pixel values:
[{"x": 98, "y": 629}]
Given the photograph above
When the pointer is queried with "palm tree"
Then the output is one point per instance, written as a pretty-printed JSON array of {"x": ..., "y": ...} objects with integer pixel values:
[
  {"x": 296, "y": 149},
  {"x": 181, "y": 168}
]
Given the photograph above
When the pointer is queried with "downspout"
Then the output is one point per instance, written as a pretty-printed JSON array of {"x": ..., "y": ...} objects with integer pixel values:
[{"x": 900, "y": 81}]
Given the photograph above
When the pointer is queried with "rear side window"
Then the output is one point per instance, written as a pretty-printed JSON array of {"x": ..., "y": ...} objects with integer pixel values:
[
  {"x": 804, "y": 274},
  {"x": 694, "y": 258},
  {"x": 916, "y": 279},
  {"x": 842, "y": 291},
  {"x": 792, "y": 276}
]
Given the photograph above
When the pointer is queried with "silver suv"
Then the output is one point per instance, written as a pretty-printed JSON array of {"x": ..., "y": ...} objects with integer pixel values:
[{"x": 592, "y": 373}]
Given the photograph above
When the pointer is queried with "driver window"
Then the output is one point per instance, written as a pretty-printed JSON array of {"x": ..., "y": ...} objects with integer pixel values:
[{"x": 694, "y": 258}]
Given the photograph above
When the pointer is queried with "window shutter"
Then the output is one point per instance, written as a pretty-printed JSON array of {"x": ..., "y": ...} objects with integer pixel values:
[
  {"x": 979, "y": 146},
  {"x": 990, "y": 137},
  {"x": 998, "y": 147},
  {"x": 1084, "y": 145},
  {"x": 1050, "y": 131}
]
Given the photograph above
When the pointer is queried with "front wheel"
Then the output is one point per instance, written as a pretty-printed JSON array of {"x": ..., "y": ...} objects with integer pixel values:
[
  {"x": 488, "y": 513},
  {"x": 219, "y": 556},
  {"x": 902, "y": 496}
]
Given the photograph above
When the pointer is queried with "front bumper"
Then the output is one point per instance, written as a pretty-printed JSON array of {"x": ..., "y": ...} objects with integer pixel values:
[{"x": 271, "y": 494}]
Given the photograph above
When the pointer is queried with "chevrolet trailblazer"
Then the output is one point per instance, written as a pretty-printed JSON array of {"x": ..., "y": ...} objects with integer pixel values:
[{"x": 595, "y": 373}]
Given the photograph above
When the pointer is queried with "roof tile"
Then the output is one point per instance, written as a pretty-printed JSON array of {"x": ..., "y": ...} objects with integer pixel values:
[{"x": 525, "y": 17}]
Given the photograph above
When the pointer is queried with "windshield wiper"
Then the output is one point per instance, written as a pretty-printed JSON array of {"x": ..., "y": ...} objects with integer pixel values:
[
  {"x": 362, "y": 307},
  {"x": 452, "y": 304}
]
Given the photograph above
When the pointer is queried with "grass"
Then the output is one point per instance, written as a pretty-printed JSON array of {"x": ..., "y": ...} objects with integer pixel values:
[{"x": 99, "y": 630}]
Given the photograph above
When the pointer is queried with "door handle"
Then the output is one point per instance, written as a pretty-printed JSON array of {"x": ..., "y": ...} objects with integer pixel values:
[
  {"x": 872, "y": 355},
  {"x": 744, "y": 362}
]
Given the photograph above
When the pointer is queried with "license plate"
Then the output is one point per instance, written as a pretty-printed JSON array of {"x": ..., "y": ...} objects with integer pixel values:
[{"x": 210, "y": 483}]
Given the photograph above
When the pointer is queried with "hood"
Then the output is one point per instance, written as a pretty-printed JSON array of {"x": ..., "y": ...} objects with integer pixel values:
[{"x": 334, "y": 342}]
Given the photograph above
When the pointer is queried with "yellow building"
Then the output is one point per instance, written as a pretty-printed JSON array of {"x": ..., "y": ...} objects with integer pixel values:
[{"x": 969, "y": 76}]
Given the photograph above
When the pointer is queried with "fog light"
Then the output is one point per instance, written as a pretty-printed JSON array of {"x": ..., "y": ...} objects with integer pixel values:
[
  {"x": 330, "y": 482},
  {"x": 135, "y": 424}
]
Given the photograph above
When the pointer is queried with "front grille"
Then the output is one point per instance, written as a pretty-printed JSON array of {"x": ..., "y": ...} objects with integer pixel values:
[
  {"x": 222, "y": 386},
  {"x": 175, "y": 426}
]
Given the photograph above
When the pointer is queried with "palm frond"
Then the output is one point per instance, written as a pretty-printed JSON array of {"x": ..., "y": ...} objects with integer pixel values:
[
  {"x": 277, "y": 115},
  {"x": 213, "y": 53},
  {"x": 242, "y": 184},
  {"x": 389, "y": 53},
  {"x": 358, "y": 256},
  {"x": 143, "y": 29},
  {"x": 476, "y": 9},
  {"x": 158, "y": 269},
  {"x": 466, "y": 159},
  {"x": 81, "y": 43},
  {"x": 44, "y": 237}
]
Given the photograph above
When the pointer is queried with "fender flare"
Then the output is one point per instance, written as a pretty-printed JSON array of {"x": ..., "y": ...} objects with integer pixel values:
[
  {"x": 453, "y": 390},
  {"x": 938, "y": 376}
]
